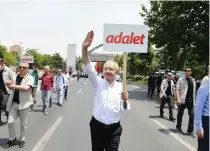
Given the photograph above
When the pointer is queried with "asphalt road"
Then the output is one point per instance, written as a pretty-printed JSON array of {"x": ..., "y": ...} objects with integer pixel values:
[{"x": 66, "y": 128}]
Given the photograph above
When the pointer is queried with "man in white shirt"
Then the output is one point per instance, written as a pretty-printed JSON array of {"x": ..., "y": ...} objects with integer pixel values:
[
  {"x": 59, "y": 87},
  {"x": 109, "y": 101},
  {"x": 67, "y": 80}
]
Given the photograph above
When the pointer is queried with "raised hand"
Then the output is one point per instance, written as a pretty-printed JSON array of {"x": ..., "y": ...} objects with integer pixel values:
[{"x": 88, "y": 40}]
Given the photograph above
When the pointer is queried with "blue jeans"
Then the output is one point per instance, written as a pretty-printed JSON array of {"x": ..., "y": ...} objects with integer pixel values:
[{"x": 46, "y": 94}]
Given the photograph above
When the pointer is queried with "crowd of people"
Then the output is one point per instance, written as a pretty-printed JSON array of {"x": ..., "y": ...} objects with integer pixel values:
[
  {"x": 180, "y": 93},
  {"x": 18, "y": 95}
]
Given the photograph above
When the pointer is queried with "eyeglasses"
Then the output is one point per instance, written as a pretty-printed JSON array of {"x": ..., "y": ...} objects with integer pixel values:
[{"x": 22, "y": 67}]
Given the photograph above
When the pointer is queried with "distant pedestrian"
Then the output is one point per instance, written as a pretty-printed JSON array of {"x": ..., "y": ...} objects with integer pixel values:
[
  {"x": 202, "y": 116},
  {"x": 67, "y": 82},
  {"x": 35, "y": 74},
  {"x": 151, "y": 85},
  {"x": 18, "y": 104},
  {"x": 59, "y": 87}
]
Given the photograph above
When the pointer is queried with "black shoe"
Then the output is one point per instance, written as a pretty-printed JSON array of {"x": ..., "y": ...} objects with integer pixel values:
[
  {"x": 172, "y": 119},
  {"x": 1, "y": 123},
  {"x": 10, "y": 144},
  {"x": 191, "y": 134},
  {"x": 180, "y": 130},
  {"x": 22, "y": 144},
  {"x": 161, "y": 115},
  {"x": 32, "y": 106}
]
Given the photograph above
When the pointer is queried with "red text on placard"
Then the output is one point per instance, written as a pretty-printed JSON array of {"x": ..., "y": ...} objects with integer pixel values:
[{"x": 125, "y": 39}]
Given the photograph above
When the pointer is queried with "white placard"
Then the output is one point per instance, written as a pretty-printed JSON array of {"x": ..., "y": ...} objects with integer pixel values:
[
  {"x": 125, "y": 38},
  {"x": 27, "y": 59}
]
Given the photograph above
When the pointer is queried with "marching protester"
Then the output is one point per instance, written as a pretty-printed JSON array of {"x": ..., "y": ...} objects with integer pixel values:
[
  {"x": 35, "y": 74},
  {"x": 185, "y": 92},
  {"x": 67, "y": 80},
  {"x": 6, "y": 75},
  {"x": 59, "y": 86},
  {"x": 175, "y": 79},
  {"x": 167, "y": 90},
  {"x": 18, "y": 104},
  {"x": 151, "y": 85},
  {"x": 109, "y": 100},
  {"x": 206, "y": 78},
  {"x": 202, "y": 116},
  {"x": 158, "y": 82},
  {"x": 46, "y": 87}
]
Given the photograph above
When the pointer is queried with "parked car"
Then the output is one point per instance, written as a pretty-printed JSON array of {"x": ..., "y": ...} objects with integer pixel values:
[{"x": 83, "y": 75}]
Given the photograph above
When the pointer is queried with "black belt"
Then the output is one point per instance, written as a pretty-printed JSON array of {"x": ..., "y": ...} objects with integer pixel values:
[{"x": 104, "y": 125}]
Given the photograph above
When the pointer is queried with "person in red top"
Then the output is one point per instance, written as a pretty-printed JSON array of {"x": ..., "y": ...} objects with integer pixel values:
[{"x": 46, "y": 87}]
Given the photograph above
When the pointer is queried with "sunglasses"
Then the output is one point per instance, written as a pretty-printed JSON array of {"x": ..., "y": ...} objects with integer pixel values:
[
  {"x": 22, "y": 67},
  {"x": 187, "y": 71}
]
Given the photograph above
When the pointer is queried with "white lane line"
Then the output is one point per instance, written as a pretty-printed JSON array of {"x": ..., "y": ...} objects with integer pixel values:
[
  {"x": 45, "y": 139},
  {"x": 79, "y": 91},
  {"x": 133, "y": 86},
  {"x": 190, "y": 147}
]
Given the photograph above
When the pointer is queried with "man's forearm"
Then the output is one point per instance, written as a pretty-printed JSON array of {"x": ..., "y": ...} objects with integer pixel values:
[
  {"x": 177, "y": 94},
  {"x": 85, "y": 56}
]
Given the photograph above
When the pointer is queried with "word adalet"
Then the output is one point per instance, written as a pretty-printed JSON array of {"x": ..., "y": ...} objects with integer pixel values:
[
  {"x": 127, "y": 39},
  {"x": 27, "y": 59}
]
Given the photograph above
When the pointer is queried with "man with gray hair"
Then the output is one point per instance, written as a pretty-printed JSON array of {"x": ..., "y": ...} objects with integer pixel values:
[
  {"x": 46, "y": 87},
  {"x": 109, "y": 100},
  {"x": 6, "y": 75},
  {"x": 19, "y": 102}
]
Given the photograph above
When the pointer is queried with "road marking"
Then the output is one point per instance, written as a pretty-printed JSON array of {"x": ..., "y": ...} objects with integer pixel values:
[
  {"x": 79, "y": 91},
  {"x": 133, "y": 86},
  {"x": 190, "y": 147},
  {"x": 45, "y": 139}
]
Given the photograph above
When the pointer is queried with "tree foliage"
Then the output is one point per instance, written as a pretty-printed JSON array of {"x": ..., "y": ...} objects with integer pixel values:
[
  {"x": 54, "y": 61},
  {"x": 9, "y": 58},
  {"x": 142, "y": 63},
  {"x": 3, "y": 50},
  {"x": 180, "y": 31}
]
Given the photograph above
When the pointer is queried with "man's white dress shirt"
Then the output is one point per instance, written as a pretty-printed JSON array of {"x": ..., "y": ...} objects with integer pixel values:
[{"x": 107, "y": 98}]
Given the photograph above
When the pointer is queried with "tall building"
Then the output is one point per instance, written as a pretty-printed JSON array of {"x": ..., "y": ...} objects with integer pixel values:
[{"x": 17, "y": 50}]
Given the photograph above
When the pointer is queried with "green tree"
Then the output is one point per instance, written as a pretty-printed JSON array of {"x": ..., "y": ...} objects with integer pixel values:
[
  {"x": 58, "y": 61},
  {"x": 180, "y": 31},
  {"x": 38, "y": 58},
  {"x": 142, "y": 63},
  {"x": 119, "y": 59},
  {"x": 3, "y": 50},
  {"x": 9, "y": 58}
]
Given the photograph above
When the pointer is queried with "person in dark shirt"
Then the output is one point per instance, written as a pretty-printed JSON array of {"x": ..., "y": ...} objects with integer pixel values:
[
  {"x": 167, "y": 91},
  {"x": 158, "y": 83},
  {"x": 18, "y": 104},
  {"x": 151, "y": 85},
  {"x": 186, "y": 88},
  {"x": 6, "y": 75}
]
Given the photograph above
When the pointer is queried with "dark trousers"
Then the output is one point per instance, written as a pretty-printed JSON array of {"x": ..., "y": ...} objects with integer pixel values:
[
  {"x": 151, "y": 91},
  {"x": 190, "y": 106},
  {"x": 3, "y": 102},
  {"x": 167, "y": 99},
  {"x": 65, "y": 92},
  {"x": 203, "y": 143},
  {"x": 105, "y": 137}
]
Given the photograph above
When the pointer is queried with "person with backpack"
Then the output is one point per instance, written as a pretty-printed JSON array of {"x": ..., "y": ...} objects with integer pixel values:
[{"x": 59, "y": 87}]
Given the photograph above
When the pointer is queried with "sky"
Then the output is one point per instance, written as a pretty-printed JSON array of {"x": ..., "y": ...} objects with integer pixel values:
[{"x": 50, "y": 25}]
